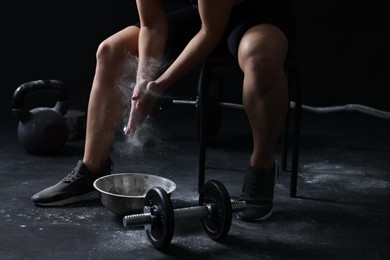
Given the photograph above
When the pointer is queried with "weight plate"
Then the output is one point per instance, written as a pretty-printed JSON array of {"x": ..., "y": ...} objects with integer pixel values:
[
  {"x": 160, "y": 232},
  {"x": 218, "y": 224}
]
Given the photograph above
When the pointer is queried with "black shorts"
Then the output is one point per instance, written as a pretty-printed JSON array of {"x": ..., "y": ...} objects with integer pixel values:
[{"x": 184, "y": 23}]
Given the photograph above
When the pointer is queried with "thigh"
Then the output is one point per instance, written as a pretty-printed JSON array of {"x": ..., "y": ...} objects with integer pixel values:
[
  {"x": 124, "y": 41},
  {"x": 252, "y": 13}
]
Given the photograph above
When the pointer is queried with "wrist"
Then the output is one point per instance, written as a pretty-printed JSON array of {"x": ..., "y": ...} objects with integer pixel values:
[
  {"x": 142, "y": 81},
  {"x": 161, "y": 84}
]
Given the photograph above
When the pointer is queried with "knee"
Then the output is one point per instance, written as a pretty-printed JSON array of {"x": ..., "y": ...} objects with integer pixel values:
[
  {"x": 263, "y": 66},
  {"x": 108, "y": 52},
  {"x": 263, "y": 73}
]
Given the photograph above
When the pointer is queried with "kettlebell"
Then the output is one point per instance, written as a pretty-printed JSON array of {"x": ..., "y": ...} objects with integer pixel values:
[{"x": 41, "y": 130}]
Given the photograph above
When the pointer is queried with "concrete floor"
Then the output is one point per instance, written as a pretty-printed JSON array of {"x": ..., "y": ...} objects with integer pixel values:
[{"x": 341, "y": 212}]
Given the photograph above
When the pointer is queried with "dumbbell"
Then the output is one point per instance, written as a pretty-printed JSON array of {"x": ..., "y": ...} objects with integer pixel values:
[{"x": 215, "y": 211}]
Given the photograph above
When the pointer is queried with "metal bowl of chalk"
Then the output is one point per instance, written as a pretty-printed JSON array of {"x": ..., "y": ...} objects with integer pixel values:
[{"x": 124, "y": 193}]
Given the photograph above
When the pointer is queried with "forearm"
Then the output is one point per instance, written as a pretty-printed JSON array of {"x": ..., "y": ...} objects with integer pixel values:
[
  {"x": 151, "y": 51},
  {"x": 214, "y": 15},
  {"x": 195, "y": 52},
  {"x": 152, "y": 38}
]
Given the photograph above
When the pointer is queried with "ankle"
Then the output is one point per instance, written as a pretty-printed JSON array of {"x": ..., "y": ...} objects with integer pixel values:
[
  {"x": 265, "y": 166},
  {"x": 95, "y": 166}
]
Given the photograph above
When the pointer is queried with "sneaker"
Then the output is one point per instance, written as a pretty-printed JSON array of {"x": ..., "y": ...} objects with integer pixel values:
[
  {"x": 76, "y": 187},
  {"x": 258, "y": 193}
]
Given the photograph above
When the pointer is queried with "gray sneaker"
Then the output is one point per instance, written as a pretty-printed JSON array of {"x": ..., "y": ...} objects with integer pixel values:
[
  {"x": 258, "y": 193},
  {"x": 75, "y": 187}
]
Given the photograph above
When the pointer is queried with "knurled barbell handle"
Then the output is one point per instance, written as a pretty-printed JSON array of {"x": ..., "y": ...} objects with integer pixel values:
[
  {"x": 195, "y": 103},
  {"x": 185, "y": 102}
]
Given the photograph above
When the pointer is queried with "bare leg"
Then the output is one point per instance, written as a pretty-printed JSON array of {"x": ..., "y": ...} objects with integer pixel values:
[
  {"x": 105, "y": 109},
  {"x": 261, "y": 56},
  {"x": 262, "y": 52}
]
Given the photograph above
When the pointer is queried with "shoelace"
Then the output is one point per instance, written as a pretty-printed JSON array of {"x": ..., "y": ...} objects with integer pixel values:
[
  {"x": 74, "y": 175},
  {"x": 71, "y": 177},
  {"x": 252, "y": 187}
]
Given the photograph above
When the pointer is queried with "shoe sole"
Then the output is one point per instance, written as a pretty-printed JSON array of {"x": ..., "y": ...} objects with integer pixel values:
[
  {"x": 256, "y": 219},
  {"x": 270, "y": 212},
  {"x": 93, "y": 195}
]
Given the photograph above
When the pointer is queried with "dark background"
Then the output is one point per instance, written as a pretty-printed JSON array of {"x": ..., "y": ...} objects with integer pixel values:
[{"x": 344, "y": 45}]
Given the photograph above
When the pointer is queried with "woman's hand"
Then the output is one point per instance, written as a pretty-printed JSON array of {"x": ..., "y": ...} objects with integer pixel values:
[{"x": 142, "y": 102}]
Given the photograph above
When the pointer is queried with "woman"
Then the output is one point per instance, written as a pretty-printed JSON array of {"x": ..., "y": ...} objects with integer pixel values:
[{"x": 258, "y": 33}]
